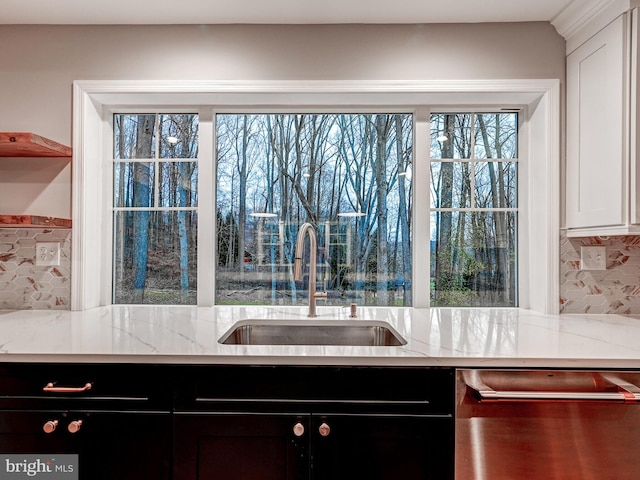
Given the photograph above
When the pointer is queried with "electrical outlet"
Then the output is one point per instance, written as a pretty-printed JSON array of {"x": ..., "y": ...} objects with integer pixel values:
[
  {"x": 47, "y": 254},
  {"x": 593, "y": 258}
]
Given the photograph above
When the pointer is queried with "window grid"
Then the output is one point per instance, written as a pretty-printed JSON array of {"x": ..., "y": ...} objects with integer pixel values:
[
  {"x": 473, "y": 247},
  {"x": 155, "y": 211},
  {"x": 473, "y": 161}
]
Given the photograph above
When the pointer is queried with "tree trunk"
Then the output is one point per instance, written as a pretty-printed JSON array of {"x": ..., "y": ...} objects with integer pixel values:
[
  {"x": 444, "y": 274},
  {"x": 403, "y": 215},
  {"x": 242, "y": 205},
  {"x": 142, "y": 177},
  {"x": 498, "y": 276},
  {"x": 382, "y": 134}
]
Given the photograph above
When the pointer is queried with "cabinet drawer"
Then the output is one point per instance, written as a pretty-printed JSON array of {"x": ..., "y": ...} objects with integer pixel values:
[
  {"x": 39, "y": 385},
  {"x": 304, "y": 388}
]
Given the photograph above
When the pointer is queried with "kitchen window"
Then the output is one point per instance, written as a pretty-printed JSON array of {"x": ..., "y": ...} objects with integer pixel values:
[
  {"x": 94, "y": 208},
  {"x": 474, "y": 209},
  {"x": 155, "y": 198},
  {"x": 348, "y": 174}
]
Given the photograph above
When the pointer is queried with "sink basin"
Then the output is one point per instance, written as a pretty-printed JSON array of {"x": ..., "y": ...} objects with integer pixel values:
[{"x": 312, "y": 332}]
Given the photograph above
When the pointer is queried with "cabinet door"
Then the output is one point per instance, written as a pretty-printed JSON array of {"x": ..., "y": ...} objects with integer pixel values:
[
  {"x": 124, "y": 445},
  {"x": 23, "y": 432},
  {"x": 109, "y": 445},
  {"x": 597, "y": 129},
  {"x": 240, "y": 447},
  {"x": 381, "y": 447}
]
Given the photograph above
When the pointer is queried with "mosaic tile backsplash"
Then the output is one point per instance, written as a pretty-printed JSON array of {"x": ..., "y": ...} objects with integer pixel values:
[
  {"x": 614, "y": 290},
  {"x": 25, "y": 286}
]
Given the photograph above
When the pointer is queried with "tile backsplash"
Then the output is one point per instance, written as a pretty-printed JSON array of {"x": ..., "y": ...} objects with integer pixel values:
[
  {"x": 25, "y": 286},
  {"x": 614, "y": 290}
]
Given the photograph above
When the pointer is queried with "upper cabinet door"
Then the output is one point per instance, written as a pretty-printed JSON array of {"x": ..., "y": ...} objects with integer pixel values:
[{"x": 597, "y": 130}]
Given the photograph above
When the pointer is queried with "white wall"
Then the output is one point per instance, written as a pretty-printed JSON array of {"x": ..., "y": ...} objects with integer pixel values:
[{"x": 39, "y": 63}]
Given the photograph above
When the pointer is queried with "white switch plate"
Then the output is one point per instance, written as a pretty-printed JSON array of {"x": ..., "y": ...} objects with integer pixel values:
[
  {"x": 47, "y": 254},
  {"x": 593, "y": 258}
]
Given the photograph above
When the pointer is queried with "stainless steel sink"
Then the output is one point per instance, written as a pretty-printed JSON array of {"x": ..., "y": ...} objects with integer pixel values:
[{"x": 312, "y": 332}]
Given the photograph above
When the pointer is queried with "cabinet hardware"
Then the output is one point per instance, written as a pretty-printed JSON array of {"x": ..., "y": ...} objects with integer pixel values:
[
  {"x": 298, "y": 429},
  {"x": 50, "y": 426},
  {"x": 324, "y": 430},
  {"x": 74, "y": 426},
  {"x": 50, "y": 388}
]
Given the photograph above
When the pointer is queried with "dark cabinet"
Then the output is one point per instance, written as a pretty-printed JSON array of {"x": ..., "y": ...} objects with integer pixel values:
[
  {"x": 314, "y": 423},
  {"x": 240, "y": 446},
  {"x": 109, "y": 416},
  {"x": 235, "y": 447},
  {"x": 381, "y": 447},
  {"x": 209, "y": 422},
  {"x": 109, "y": 445}
]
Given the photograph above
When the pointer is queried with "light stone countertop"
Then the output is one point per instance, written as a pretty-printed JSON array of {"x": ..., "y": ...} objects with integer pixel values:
[{"x": 435, "y": 337}]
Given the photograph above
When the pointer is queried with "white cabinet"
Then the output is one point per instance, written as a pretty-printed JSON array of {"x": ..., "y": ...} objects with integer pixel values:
[{"x": 601, "y": 118}]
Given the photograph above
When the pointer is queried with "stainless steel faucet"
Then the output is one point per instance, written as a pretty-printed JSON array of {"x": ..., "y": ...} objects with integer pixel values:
[{"x": 305, "y": 229}]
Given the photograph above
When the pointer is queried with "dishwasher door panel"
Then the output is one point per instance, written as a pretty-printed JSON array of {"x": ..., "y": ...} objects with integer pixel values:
[{"x": 562, "y": 433}]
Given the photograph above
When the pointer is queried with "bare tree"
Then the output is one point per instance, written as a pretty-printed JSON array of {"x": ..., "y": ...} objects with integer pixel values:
[{"x": 144, "y": 141}]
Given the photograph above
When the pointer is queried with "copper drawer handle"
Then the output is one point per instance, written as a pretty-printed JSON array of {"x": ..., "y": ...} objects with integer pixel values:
[{"x": 50, "y": 388}]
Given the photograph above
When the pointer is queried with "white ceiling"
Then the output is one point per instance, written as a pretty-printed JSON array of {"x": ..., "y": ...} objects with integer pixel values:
[{"x": 279, "y": 11}]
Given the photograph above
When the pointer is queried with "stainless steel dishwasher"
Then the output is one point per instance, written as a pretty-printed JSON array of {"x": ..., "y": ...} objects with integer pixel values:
[{"x": 547, "y": 424}]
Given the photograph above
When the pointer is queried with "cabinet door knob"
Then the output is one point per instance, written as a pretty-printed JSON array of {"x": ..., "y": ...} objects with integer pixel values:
[
  {"x": 74, "y": 426},
  {"x": 298, "y": 429},
  {"x": 50, "y": 426},
  {"x": 324, "y": 430}
]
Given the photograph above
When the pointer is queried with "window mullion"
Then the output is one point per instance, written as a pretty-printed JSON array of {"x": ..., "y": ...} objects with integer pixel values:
[
  {"x": 472, "y": 162},
  {"x": 156, "y": 177},
  {"x": 422, "y": 192},
  {"x": 206, "y": 209}
]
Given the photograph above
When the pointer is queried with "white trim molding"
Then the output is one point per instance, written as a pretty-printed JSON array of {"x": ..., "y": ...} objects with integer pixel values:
[
  {"x": 582, "y": 19},
  {"x": 93, "y": 98}
]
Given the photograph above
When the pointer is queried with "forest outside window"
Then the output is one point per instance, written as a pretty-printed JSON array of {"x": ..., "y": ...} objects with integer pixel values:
[
  {"x": 474, "y": 214},
  {"x": 347, "y": 174},
  {"x": 155, "y": 208}
]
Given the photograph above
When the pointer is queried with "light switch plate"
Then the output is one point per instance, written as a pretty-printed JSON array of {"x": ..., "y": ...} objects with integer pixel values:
[
  {"x": 593, "y": 258},
  {"x": 47, "y": 254}
]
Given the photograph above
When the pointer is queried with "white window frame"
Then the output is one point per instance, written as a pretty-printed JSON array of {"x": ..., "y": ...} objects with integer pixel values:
[{"x": 95, "y": 101}]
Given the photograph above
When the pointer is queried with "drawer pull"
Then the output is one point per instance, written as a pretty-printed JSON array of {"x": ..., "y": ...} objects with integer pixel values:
[
  {"x": 51, "y": 388},
  {"x": 50, "y": 426},
  {"x": 74, "y": 426}
]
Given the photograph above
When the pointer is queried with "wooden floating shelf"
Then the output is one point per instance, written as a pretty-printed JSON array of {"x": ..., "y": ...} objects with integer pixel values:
[
  {"x": 33, "y": 221},
  {"x": 25, "y": 144}
]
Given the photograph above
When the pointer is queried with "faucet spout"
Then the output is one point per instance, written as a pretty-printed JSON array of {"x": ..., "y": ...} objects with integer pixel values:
[{"x": 307, "y": 229}]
